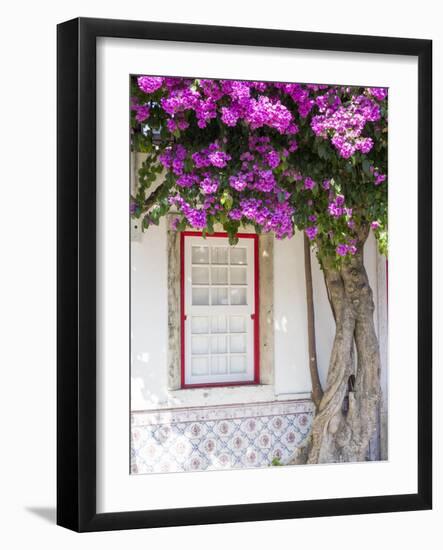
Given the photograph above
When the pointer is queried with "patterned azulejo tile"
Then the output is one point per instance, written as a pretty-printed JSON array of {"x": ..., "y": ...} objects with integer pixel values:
[{"x": 242, "y": 436}]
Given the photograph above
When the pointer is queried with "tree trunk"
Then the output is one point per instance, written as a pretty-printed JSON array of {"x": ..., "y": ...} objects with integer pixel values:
[
  {"x": 317, "y": 391},
  {"x": 347, "y": 416}
]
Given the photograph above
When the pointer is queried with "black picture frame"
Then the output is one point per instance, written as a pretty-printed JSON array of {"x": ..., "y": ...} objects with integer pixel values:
[{"x": 76, "y": 278}]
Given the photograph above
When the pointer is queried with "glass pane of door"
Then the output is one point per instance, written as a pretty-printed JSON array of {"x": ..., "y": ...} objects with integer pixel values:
[{"x": 220, "y": 345}]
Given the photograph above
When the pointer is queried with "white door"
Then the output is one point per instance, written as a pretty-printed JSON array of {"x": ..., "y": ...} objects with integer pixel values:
[{"x": 218, "y": 312}]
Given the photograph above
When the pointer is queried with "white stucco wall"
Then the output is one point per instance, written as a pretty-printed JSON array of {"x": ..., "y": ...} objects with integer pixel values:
[
  {"x": 149, "y": 318},
  {"x": 291, "y": 345},
  {"x": 149, "y": 328},
  {"x": 290, "y": 330}
]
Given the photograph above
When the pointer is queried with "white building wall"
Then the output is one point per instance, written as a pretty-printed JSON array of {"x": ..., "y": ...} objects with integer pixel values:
[
  {"x": 291, "y": 339},
  {"x": 290, "y": 329},
  {"x": 149, "y": 318},
  {"x": 149, "y": 329}
]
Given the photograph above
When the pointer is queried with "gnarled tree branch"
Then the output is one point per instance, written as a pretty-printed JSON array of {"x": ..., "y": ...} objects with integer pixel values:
[
  {"x": 151, "y": 199},
  {"x": 317, "y": 391}
]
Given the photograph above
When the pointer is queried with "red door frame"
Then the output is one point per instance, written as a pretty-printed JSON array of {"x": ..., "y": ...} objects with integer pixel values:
[{"x": 255, "y": 315}]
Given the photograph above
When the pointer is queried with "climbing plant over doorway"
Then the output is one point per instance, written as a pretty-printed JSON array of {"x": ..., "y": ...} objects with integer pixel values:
[{"x": 281, "y": 157}]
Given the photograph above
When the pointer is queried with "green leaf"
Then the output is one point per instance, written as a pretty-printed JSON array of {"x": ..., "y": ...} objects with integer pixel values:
[
  {"x": 233, "y": 240},
  {"x": 226, "y": 200},
  {"x": 182, "y": 224},
  {"x": 366, "y": 165}
]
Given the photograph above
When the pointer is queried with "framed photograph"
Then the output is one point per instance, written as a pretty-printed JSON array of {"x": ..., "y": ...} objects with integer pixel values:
[{"x": 244, "y": 274}]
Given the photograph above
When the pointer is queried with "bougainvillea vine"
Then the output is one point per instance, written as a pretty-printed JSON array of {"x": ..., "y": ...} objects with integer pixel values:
[{"x": 277, "y": 156}]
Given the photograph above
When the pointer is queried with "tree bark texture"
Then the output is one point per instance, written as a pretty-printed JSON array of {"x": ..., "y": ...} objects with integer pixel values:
[
  {"x": 317, "y": 391},
  {"x": 346, "y": 418}
]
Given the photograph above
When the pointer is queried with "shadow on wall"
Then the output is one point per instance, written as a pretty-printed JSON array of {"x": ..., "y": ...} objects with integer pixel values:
[{"x": 47, "y": 513}]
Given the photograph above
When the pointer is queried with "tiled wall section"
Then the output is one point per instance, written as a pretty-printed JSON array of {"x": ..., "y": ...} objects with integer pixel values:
[{"x": 234, "y": 436}]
